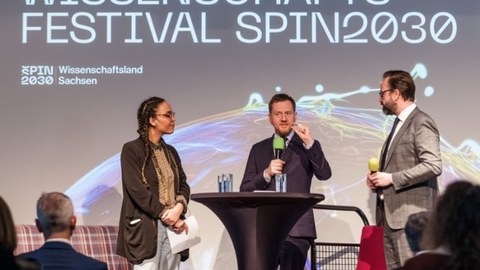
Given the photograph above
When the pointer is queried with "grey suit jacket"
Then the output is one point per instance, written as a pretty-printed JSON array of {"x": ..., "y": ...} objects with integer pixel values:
[{"x": 414, "y": 160}]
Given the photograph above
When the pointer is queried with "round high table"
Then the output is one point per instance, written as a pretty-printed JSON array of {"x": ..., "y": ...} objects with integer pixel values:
[{"x": 258, "y": 222}]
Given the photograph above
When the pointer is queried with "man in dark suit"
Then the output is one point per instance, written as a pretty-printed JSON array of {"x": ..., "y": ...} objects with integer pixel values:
[
  {"x": 302, "y": 158},
  {"x": 56, "y": 221},
  {"x": 410, "y": 164}
]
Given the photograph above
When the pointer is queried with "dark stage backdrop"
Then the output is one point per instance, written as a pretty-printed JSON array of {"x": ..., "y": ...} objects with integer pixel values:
[{"x": 73, "y": 72}]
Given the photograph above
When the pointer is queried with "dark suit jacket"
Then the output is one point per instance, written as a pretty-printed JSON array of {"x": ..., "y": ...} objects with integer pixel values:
[
  {"x": 300, "y": 166},
  {"x": 414, "y": 160},
  {"x": 59, "y": 255}
]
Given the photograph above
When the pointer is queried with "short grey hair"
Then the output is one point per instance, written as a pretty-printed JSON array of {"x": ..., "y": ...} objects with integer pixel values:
[{"x": 54, "y": 211}]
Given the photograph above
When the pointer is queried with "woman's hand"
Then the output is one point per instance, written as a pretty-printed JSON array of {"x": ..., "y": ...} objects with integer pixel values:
[
  {"x": 180, "y": 226},
  {"x": 172, "y": 216}
]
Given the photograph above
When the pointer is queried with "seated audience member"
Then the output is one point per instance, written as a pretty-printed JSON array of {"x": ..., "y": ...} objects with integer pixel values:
[
  {"x": 414, "y": 229},
  {"x": 56, "y": 220},
  {"x": 453, "y": 234},
  {"x": 8, "y": 243}
]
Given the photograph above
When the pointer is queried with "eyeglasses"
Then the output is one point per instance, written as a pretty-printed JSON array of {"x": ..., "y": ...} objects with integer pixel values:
[
  {"x": 279, "y": 115},
  {"x": 381, "y": 93},
  {"x": 170, "y": 115}
]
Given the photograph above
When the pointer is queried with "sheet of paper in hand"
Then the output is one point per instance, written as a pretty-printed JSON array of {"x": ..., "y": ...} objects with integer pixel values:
[{"x": 182, "y": 241}]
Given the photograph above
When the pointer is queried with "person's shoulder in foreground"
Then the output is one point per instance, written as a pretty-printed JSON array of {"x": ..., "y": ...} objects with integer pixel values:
[{"x": 427, "y": 261}]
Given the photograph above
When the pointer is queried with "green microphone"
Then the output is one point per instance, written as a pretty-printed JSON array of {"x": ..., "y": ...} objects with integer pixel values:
[{"x": 278, "y": 146}]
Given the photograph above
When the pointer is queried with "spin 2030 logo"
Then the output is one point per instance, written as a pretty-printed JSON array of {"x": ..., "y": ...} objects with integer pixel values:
[{"x": 37, "y": 75}]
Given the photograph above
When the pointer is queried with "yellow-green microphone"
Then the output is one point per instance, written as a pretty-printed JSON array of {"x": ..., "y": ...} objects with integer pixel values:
[{"x": 373, "y": 165}]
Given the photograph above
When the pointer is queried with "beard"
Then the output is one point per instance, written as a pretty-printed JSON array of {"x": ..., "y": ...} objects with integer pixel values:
[
  {"x": 387, "y": 111},
  {"x": 387, "y": 107},
  {"x": 283, "y": 133}
]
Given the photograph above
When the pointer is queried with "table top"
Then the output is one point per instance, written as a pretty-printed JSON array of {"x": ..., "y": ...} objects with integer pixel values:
[{"x": 252, "y": 199}]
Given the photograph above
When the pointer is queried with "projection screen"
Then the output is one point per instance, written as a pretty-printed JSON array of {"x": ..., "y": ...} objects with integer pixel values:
[{"x": 73, "y": 73}]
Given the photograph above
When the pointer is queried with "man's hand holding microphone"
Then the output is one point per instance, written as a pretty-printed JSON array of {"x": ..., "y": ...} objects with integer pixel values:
[{"x": 376, "y": 179}]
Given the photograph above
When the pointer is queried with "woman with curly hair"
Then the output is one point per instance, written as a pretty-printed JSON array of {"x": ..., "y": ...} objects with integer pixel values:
[{"x": 453, "y": 233}]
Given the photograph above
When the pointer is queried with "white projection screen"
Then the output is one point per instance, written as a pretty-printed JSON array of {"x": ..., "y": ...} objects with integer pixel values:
[{"x": 73, "y": 73}]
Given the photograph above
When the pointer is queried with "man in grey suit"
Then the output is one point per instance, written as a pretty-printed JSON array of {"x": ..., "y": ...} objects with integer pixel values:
[
  {"x": 410, "y": 164},
  {"x": 302, "y": 158}
]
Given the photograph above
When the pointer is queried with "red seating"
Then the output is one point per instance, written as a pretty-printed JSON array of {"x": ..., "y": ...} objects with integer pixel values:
[
  {"x": 99, "y": 242},
  {"x": 371, "y": 255}
]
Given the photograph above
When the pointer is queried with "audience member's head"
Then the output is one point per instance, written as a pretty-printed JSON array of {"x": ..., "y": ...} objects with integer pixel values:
[
  {"x": 414, "y": 228},
  {"x": 8, "y": 236},
  {"x": 455, "y": 225},
  {"x": 8, "y": 243},
  {"x": 55, "y": 217},
  {"x": 8, "y": 240}
]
